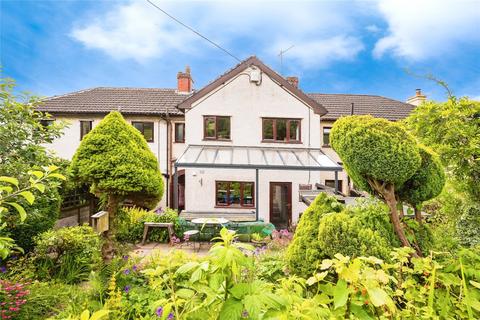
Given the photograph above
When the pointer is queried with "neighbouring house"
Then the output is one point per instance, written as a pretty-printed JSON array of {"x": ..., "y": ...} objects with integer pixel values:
[{"x": 245, "y": 146}]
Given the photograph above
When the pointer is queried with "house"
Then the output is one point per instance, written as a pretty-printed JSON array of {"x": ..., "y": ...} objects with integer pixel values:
[{"x": 244, "y": 146}]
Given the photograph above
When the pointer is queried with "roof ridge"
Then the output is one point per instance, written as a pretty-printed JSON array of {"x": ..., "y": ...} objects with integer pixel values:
[
  {"x": 349, "y": 94},
  {"x": 69, "y": 94},
  {"x": 136, "y": 88}
]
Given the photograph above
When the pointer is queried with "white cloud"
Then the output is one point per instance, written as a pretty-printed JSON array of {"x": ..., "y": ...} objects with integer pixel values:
[
  {"x": 321, "y": 53},
  {"x": 133, "y": 30},
  {"x": 420, "y": 29},
  {"x": 321, "y": 31}
]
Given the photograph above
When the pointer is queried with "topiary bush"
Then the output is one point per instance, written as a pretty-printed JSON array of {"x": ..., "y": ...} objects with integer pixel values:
[
  {"x": 427, "y": 182},
  {"x": 304, "y": 253},
  {"x": 116, "y": 161},
  {"x": 130, "y": 223},
  {"x": 67, "y": 254},
  {"x": 346, "y": 234},
  {"x": 381, "y": 157}
]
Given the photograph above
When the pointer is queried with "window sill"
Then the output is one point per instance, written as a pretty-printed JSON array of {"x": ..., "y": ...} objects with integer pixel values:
[
  {"x": 178, "y": 141},
  {"x": 221, "y": 140},
  {"x": 326, "y": 146},
  {"x": 282, "y": 142},
  {"x": 234, "y": 207}
]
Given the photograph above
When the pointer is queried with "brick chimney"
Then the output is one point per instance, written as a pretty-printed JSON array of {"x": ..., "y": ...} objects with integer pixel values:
[
  {"x": 184, "y": 81},
  {"x": 418, "y": 98},
  {"x": 293, "y": 81}
]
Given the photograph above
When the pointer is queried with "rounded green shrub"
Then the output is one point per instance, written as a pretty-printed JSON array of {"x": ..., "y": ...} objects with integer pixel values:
[
  {"x": 130, "y": 223},
  {"x": 346, "y": 234},
  {"x": 67, "y": 254},
  {"x": 304, "y": 253},
  {"x": 426, "y": 183},
  {"x": 115, "y": 160},
  {"x": 375, "y": 149}
]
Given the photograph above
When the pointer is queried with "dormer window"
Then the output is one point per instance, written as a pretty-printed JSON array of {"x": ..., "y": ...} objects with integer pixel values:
[
  {"x": 281, "y": 130},
  {"x": 216, "y": 127}
]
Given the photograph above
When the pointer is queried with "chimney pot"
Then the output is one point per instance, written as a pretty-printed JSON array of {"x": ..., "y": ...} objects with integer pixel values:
[
  {"x": 184, "y": 81},
  {"x": 418, "y": 98},
  {"x": 293, "y": 81}
]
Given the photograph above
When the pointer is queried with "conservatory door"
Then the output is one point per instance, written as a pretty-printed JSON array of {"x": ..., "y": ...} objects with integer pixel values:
[{"x": 281, "y": 204}]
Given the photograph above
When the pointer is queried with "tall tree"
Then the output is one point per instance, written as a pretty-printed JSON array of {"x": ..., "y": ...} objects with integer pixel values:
[
  {"x": 452, "y": 129},
  {"x": 115, "y": 160},
  {"x": 380, "y": 157},
  {"x": 24, "y": 133}
]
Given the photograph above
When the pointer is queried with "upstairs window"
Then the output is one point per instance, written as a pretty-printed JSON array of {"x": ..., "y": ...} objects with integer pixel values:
[
  {"x": 326, "y": 136},
  {"x": 281, "y": 130},
  {"x": 216, "y": 127},
  {"x": 146, "y": 128},
  {"x": 180, "y": 132},
  {"x": 234, "y": 194},
  {"x": 85, "y": 127}
]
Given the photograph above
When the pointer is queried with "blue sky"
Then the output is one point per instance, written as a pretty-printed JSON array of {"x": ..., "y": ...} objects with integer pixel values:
[{"x": 55, "y": 47}]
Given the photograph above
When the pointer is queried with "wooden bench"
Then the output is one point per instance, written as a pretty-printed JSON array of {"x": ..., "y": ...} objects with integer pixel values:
[{"x": 167, "y": 225}]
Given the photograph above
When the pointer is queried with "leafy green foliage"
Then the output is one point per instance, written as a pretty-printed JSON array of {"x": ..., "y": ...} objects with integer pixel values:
[
  {"x": 304, "y": 252},
  {"x": 346, "y": 234},
  {"x": 452, "y": 129},
  {"x": 67, "y": 254},
  {"x": 22, "y": 136},
  {"x": 426, "y": 183},
  {"x": 468, "y": 226},
  {"x": 115, "y": 160},
  {"x": 130, "y": 223},
  {"x": 12, "y": 196},
  {"x": 373, "y": 148},
  {"x": 42, "y": 215}
]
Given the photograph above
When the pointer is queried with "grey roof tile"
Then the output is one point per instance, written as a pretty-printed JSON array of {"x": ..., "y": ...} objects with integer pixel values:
[
  {"x": 150, "y": 101},
  {"x": 339, "y": 105}
]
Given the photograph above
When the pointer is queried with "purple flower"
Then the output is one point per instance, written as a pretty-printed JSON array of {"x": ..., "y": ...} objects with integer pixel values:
[
  {"x": 3, "y": 269},
  {"x": 125, "y": 257},
  {"x": 159, "y": 312},
  {"x": 126, "y": 289},
  {"x": 126, "y": 271},
  {"x": 245, "y": 314},
  {"x": 134, "y": 268},
  {"x": 170, "y": 316}
]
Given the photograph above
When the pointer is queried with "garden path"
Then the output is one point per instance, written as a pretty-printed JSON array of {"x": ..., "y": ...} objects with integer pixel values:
[{"x": 147, "y": 249}]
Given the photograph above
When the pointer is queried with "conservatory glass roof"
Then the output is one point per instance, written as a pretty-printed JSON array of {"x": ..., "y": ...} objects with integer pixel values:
[{"x": 281, "y": 158}]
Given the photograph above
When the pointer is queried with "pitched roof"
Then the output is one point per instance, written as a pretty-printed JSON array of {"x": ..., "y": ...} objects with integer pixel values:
[
  {"x": 341, "y": 105},
  {"x": 317, "y": 107},
  {"x": 147, "y": 101}
]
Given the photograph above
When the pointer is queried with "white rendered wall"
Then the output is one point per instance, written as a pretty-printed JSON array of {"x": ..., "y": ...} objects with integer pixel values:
[{"x": 246, "y": 104}]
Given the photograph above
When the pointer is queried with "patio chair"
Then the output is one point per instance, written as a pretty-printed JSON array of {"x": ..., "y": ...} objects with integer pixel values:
[{"x": 195, "y": 235}]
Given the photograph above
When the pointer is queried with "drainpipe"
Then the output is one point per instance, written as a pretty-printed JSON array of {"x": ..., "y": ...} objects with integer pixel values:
[{"x": 168, "y": 156}]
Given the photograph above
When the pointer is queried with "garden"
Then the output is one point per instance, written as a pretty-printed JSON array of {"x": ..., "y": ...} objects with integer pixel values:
[{"x": 363, "y": 261}]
